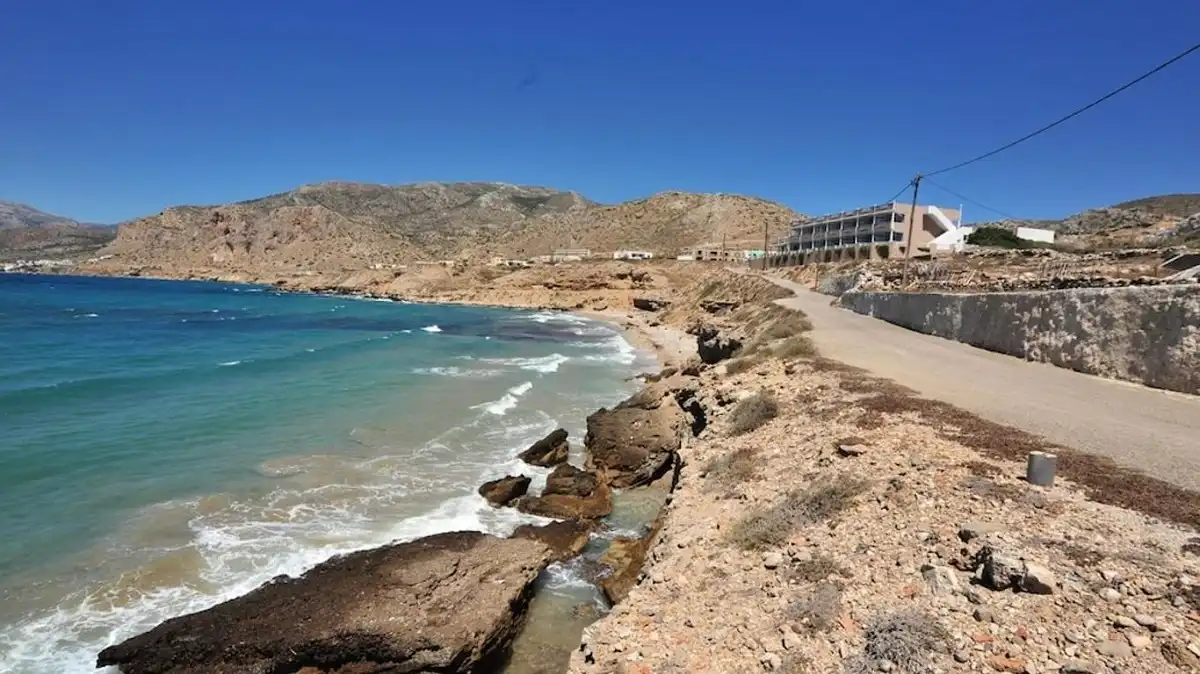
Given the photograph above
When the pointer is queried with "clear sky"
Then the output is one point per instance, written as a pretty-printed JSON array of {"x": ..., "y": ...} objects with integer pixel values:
[{"x": 115, "y": 109}]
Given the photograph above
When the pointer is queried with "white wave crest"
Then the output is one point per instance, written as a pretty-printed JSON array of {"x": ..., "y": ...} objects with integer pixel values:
[
  {"x": 506, "y": 402},
  {"x": 229, "y": 363},
  {"x": 544, "y": 364},
  {"x": 431, "y": 328}
]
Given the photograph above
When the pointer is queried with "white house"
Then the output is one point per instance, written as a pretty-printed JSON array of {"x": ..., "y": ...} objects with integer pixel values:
[{"x": 632, "y": 255}]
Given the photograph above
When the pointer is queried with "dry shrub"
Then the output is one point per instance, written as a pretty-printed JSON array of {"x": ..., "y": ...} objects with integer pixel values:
[
  {"x": 742, "y": 364},
  {"x": 1192, "y": 547},
  {"x": 795, "y": 663},
  {"x": 788, "y": 325},
  {"x": 820, "y": 610},
  {"x": 1081, "y": 556},
  {"x": 799, "y": 346},
  {"x": 752, "y": 412},
  {"x": 905, "y": 639},
  {"x": 982, "y": 468},
  {"x": 818, "y": 502},
  {"x": 812, "y": 570},
  {"x": 992, "y": 490},
  {"x": 740, "y": 465}
]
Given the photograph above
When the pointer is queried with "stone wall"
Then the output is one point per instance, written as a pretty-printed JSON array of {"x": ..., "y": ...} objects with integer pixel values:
[{"x": 1149, "y": 335}]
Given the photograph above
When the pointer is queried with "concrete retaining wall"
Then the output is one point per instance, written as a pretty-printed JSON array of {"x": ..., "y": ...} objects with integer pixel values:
[{"x": 1149, "y": 335}]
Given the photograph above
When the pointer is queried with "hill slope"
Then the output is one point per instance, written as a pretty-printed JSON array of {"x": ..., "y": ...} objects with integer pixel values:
[
  {"x": 27, "y": 233},
  {"x": 354, "y": 226},
  {"x": 1163, "y": 220}
]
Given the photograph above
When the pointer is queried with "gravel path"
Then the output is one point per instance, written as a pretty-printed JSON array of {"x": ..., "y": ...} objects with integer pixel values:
[{"x": 1155, "y": 431}]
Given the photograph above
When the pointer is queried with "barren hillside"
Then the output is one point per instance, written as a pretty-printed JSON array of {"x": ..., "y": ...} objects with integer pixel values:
[
  {"x": 333, "y": 226},
  {"x": 27, "y": 233}
]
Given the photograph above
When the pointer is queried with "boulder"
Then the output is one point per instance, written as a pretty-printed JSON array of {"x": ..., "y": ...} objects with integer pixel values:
[
  {"x": 650, "y": 303},
  {"x": 570, "y": 493},
  {"x": 549, "y": 451},
  {"x": 505, "y": 490},
  {"x": 636, "y": 442},
  {"x": 712, "y": 346},
  {"x": 446, "y": 603}
]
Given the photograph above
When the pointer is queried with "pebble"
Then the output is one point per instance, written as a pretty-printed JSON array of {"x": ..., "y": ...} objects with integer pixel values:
[
  {"x": 771, "y": 662},
  {"x": 1125, "y": 622},
  {"x": 1078, "y": 667},
  {"x": 1073, "y": 636},
  {"x": 985, "y": 615},
  {"x": 1109, "y": 594},
  {"x": 962, "y": 655},
  {"x": 1115, "y": 648},
  {"x": 886, "y": 665},
  {"x": 1038, "y": 579},
  {"x": 1139, "y": 641},
  {"x": 1146, "y": 621},
  {"x": 772, "y": 560}
]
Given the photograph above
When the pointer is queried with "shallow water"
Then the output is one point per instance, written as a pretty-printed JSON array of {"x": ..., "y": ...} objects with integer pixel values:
[{"x": 168, "y": 445}]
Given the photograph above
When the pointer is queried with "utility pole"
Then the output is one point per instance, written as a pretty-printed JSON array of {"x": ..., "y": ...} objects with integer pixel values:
[
  {"x": 912, "y": 215},
  {"x": 766, "y": 243}
]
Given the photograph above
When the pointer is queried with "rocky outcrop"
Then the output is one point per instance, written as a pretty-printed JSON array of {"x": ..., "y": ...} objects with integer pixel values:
[
  {"x": 570, "y": 493},
  {"x": 445, "y": 603},
  {"x": 636, "y": 442},
  {"x": 504, "y": 491},
  {"x": 650, "y": 304},
  {"x": 712, "y": 346},
  {"x": 565, "y": 538},
  {"x": 549, "y": 451}
]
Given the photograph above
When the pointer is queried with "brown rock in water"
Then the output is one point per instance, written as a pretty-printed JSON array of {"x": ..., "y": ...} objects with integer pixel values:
[
  {"x": 635, "y": 443},
  {"x": 565, "y": 538},
  {"x": 549, "y": 451},
  {"x": 570, "y": 493},
  {"x": 626, "y": 557},
  {"x": 445, "y": 603},
  {"x": 505, "y": 490}
]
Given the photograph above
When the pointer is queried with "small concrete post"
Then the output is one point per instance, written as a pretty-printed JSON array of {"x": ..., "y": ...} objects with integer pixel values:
[{"x": 1041, "y": 467}]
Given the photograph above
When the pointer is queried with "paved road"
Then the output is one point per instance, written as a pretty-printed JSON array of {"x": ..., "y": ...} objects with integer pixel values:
[{"x": 1152, "y": 430}]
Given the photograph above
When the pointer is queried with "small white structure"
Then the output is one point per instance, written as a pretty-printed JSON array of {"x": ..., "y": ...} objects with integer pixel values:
[
  {"x": 1035, "y": 234},
  {"x": 686, "y": 258},
  {"x": 632, "y": 255}
]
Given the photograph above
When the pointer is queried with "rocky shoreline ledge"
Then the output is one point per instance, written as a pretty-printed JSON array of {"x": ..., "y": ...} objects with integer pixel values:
[{"x": 451, "y": 602}]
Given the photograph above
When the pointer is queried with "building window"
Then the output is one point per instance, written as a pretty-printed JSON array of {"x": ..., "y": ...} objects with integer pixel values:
[{"x": 897, "y": 236}]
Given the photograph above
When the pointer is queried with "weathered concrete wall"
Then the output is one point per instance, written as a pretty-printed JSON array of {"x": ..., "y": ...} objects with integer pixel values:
[{"x": 1149, "y": 335}]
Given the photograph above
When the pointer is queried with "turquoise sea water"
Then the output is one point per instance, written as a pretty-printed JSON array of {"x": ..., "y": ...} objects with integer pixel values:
[{"x": 166, "y": 445}]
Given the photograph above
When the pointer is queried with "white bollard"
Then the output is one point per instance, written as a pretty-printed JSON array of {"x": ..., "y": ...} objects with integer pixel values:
[{"x": 1041, "y": 467}]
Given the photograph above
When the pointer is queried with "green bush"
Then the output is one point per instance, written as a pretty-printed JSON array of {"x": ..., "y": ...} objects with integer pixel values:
[{"x": 998, "y": 237}]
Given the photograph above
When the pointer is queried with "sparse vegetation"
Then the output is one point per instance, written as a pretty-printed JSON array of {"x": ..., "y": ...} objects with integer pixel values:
[
  {"x": 742, "y": 364},
  {"x": 737, "y": 466},
  {"x": 818, "y": 611},
  {"x": 799, "y": 346},
  {"x": 904, "y": 639},
  {"x": 812, "y": 570},
  {"x": 818, "y": 502},
  {"x": 752, "y": 412}
]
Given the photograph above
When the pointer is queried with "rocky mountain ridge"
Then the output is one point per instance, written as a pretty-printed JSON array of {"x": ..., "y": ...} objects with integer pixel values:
[
  {"x": 343, "y": 226},
  {"x": 28, "y": 233},
  {"x": 1152, "y": 221}
]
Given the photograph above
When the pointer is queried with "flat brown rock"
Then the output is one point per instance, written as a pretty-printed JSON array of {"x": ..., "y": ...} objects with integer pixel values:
[
  {"x": 565, "y": 538},
  {"x": 570, "y": 493},
  {"x": 445, "y": 603},
  {"x": 549, "y": 451}
]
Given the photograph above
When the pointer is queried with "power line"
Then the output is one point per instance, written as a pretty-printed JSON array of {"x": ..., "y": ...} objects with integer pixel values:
[
  {"x": 902, "y": 191},
  {"x": 969, "y": 200},
  {"x": 1085, "y": 108}
]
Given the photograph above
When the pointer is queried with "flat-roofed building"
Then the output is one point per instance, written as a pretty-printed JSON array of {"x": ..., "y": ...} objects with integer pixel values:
[{"x": 873, "y": 232}]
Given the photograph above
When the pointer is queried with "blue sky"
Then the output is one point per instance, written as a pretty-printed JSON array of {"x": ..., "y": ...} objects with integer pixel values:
[{"x": 111, "y": 110}]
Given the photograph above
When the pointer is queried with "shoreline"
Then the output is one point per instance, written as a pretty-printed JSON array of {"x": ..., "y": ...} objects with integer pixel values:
[{"x": 664, "y": 343}]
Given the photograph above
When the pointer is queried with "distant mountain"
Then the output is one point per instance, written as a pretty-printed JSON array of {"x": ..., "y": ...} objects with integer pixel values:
[
  {"x": 27, "y": 233},
  {"x": 339, "y": 225}
]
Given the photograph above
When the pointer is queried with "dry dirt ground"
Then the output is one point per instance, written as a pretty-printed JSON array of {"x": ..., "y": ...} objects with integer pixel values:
[
  {"x": 829, "y": 521},
  {"x": 840, "y": 536},
  {"x": 1147, "y": 429}
]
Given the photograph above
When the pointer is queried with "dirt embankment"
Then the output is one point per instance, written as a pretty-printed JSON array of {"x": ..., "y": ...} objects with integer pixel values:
[{"x": 826, "y": 520}]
